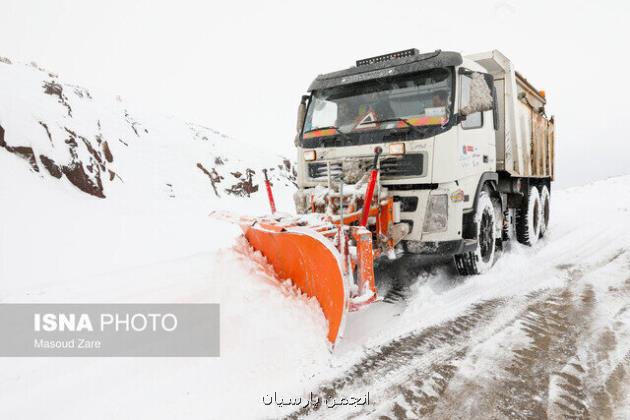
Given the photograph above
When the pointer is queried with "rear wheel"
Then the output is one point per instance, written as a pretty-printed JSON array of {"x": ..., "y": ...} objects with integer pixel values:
[
  {"x": 482, "y": 259},
  {"x": 529, "y": 218},
  {"x": 545, "y": 199}
]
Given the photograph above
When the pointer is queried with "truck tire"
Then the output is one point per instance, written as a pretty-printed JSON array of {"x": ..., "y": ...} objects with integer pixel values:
[
  {"x": 545, "y": 199},
  {"x": 482, "y": 258},
  {"x": 528, "y": 218}
]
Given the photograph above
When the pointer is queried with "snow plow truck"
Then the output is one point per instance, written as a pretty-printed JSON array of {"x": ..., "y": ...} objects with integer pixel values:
[{"x": 409, "y": 152}]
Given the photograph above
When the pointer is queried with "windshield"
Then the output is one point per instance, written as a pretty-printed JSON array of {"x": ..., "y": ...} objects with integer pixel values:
[{"x": 420, "y": 99}]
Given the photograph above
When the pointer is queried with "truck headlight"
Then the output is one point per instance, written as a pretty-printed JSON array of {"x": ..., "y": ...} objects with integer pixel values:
[
  {"x": 310, "y": 155},
  {"x": 397, "y": 149},
  {"x": 436, "y": 218}
]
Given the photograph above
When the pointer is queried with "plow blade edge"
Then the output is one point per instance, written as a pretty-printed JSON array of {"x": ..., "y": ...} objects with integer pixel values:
[{"x": 313, "y": 264}]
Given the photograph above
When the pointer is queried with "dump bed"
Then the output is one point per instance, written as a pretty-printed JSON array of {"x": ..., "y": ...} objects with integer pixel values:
[{"x": 525, "y": 137}]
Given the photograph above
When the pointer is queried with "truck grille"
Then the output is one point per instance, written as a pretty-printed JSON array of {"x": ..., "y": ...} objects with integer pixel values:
[
  {"x": 391, "y": 167},
  {"x": 319, "y": 170},
  {"x": 406, "y": 165},
  {"x": 407, "y": 204}
]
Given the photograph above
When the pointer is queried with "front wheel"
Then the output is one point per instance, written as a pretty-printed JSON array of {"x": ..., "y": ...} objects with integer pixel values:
[{"x": 482, "y": 259}]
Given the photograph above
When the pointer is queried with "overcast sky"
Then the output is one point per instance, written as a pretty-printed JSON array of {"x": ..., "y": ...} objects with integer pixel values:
[{"x": 240, "y": 67}]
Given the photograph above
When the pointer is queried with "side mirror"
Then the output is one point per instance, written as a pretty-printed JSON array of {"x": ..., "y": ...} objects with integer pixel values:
[
  {"x": 300, "y": 119},
  {"x": 302, "y": 113},
  {"x": 480, "y": 98}
]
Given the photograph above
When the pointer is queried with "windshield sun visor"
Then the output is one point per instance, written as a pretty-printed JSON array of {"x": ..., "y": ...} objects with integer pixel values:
[{"x": 379, "y": 70}]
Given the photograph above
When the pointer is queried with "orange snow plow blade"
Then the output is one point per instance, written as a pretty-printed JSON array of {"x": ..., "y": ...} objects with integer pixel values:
[{"x": 310, "y": 260}]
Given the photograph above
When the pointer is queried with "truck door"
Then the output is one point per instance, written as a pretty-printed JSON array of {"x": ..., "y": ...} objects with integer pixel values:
[{"x": 476, "y": 139}]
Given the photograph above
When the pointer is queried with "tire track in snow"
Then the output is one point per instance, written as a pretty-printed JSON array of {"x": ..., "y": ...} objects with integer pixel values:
[
  {"x": 413, "y": 376},
  {"x": 434, "y": 346},
  {"x": 553, "y": 327},
  {"x": 579, "y": 389},
  {"x": 411, "y": 386},
  {"x": 615, "y": 391},
  {"x": 548, "y": 376},
  {"x": 419, "y": 366},
  {"x": 424, "y": 390},
  {"x": 606, "y": 359}
]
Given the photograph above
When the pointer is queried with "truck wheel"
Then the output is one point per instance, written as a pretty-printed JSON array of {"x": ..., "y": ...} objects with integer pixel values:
[
  {"x": 529, "y": 217},
  {"x": 482, "y": 259},
  {"x": 545, "y": 199}
]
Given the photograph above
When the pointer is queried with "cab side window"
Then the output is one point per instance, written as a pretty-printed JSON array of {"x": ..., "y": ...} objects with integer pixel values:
[{"x": 473, "y": 120}]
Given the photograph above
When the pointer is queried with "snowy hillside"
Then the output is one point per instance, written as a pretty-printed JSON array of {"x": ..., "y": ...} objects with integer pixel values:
[
  {"x": 98, "y": 143},
  {"x": 90, "y": 184},
  {"x": 102, "y": 203}
]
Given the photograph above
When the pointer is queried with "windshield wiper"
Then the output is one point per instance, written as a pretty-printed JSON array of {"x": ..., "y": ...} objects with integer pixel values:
[
  {"x": 413, "y": 127},
  {"x": 344, "y": 135}
]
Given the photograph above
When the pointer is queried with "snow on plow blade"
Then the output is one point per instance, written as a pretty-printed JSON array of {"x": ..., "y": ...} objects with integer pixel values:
[
  {"x": 306, "y": 250},
  {"x": 311, "y": 261}
]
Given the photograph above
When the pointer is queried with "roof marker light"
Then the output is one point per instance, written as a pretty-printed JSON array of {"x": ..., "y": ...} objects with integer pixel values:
[{"x": 391, "y": 56}]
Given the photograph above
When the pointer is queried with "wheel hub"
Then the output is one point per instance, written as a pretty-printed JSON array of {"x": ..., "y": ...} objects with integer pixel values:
[{"x": 486, "y": 239}]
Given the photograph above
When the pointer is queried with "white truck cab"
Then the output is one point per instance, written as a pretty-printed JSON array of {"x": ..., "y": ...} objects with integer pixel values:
[{"x": 467, "y": 149}]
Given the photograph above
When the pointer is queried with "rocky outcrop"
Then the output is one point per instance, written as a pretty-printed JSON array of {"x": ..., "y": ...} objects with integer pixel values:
[
  {"x": 55, "y": 89},
  {"x": 245, "y": 185},
  {"x": 50, "y": 165},
  {"x": 85, "y": 176},
  {"x": 24, "y": 152}
]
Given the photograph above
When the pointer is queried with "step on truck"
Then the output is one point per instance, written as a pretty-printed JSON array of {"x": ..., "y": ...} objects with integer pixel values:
[{"x": 409, "y": 152}]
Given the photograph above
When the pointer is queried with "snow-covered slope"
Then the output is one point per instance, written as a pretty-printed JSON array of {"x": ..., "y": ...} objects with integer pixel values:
[
  {"x": 91, "y": 184},
  {"x": 97, "y": 143}
]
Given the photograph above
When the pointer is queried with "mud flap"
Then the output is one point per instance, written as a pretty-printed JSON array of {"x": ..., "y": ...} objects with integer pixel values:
[{"x": 313, "y": 264}]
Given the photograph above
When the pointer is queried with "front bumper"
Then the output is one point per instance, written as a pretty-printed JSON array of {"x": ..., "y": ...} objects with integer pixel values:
[{"x": 458, "y": 246}]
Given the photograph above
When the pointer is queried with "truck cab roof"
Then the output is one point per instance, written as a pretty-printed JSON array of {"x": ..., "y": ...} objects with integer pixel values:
[{"x": 382, "y": 66}]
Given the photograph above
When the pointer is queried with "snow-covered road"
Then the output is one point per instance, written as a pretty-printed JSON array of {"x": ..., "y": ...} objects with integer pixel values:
[{"x": 545, "y": 333}]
